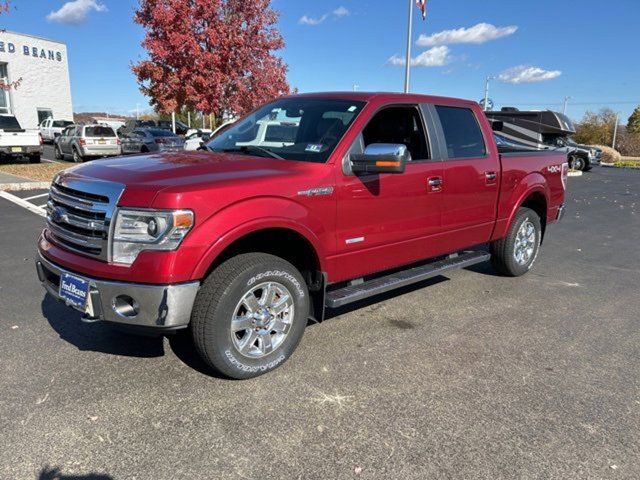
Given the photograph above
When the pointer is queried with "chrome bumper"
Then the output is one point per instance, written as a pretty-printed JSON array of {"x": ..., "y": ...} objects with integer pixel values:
[
  {"x": 158, "y": 306},
  {"x": 561, "y": 212}
]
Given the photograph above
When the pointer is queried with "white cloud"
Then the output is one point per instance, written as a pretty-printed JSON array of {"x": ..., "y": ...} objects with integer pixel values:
[
  {"x": 434, "y": 57},
  {"x": 75, "y": 12},
  {"x": 341, "y": 12},
  {"x": 313, "y": 21},
  {"x": 527, "y": 74},
  {"x": 480, "y": 33}
]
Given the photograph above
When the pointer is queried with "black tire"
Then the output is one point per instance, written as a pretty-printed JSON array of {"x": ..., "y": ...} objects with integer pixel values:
[
  {"x": 34, "y": 158},
  {"x": 217, "y": 304},
  {"x": 144, "y": 150},
  {"x": 577, "y": 163},
  {"x": 503, "y": 251},
  {"x": 57, "y": 153},
  {"x": 77, "y": 158}
]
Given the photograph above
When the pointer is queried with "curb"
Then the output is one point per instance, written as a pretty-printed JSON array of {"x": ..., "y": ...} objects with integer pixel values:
[{"x": 24, "y": 186}]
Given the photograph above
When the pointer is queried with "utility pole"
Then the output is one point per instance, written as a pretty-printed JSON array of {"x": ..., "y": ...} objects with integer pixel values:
[
  {"x": 355, "y": 87},
  {"x": 615, "y": 130},
  {"x": 566, "y": 101},
  {"x": 486, "y": 92},
  {"x": 173, "y": 121},
  {"x": 137, "y": 111},
  {"x": 407, "y": 66},
  {"x": 189, "y": 119}
]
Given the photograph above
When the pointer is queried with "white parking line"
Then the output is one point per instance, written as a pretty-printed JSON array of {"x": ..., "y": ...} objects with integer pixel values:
[
  {"x": 22, "y": 203},
  {"x": 37, "y": 196}
]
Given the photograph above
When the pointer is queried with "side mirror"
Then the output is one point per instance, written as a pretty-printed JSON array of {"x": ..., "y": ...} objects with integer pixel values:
[
  {"x": 497, "y": 125},
  {"x": 380, "y": 158},
  {"x": 206, "y": 137}
]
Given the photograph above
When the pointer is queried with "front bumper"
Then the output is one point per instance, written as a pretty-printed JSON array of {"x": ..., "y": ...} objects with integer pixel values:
[{"x": 158, "y": 306}]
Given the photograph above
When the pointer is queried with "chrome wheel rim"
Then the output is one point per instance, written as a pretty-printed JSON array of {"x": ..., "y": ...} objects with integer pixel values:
[
  {"x": 525, "y": 243},
  {"x": 262, "y": 319}
]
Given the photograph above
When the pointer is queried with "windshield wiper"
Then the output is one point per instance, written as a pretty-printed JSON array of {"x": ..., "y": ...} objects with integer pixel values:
[{"x": 248, "y": 149}]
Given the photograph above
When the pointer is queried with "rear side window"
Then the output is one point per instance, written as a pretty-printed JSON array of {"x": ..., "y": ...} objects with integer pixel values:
[
  {"x": 99, "y": 131},
  {"x": 9, "y": 123},
  {"x": 61, "y": 123},
  {"x": 461, "y": 132}
]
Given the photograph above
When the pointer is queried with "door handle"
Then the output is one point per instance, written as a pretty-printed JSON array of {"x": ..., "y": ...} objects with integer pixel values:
[
  {"x": 490, "y": 176},
  {"x": 435, "y": 184}
]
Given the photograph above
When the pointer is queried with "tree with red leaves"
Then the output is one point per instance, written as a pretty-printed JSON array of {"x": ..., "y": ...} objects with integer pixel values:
[
  {"x": 5, "y": 7},
  {"x": 214, "y": 56}
]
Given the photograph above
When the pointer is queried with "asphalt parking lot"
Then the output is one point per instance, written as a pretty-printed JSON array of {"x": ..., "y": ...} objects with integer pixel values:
[{"x": 467, "y": 376}]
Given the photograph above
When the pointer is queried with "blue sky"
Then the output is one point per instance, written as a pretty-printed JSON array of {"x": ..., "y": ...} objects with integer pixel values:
[{"x": 584, "y": 49}]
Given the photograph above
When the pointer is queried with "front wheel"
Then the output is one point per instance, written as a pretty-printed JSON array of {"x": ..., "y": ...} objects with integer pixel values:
[
  {"x": 57, "y": 153},
  {"x": 577, "y": 163},
  {"x": 515, "y": 254},
  {"x": 250, "y": 315}
]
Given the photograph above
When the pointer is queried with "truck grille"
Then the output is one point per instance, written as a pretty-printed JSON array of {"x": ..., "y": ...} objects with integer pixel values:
[{"x": 79, "y": 215}]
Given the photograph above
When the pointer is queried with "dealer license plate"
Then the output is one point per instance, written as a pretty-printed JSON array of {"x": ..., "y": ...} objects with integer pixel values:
[
  {"x": 74, "y": 291},
  {"x": 16, "y": 149}
]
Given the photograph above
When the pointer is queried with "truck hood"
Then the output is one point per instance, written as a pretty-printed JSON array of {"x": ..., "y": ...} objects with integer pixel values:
[{"x": 178, "y": 174}]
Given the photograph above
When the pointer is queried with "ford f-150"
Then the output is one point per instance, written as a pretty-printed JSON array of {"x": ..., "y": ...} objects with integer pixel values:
[{"x": 242, "y": 243}]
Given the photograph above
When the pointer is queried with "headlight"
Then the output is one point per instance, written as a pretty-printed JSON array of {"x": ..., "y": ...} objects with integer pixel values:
[{"x": 138, "y": 230}]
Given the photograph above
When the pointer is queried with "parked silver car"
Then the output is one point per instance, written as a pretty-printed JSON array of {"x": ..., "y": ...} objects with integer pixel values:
[
  {"x": 142, "y": 140},
  {"x": 82, "y": 142}
]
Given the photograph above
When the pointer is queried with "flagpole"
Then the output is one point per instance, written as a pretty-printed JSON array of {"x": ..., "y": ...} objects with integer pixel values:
[{"x": 407, "y": 66}]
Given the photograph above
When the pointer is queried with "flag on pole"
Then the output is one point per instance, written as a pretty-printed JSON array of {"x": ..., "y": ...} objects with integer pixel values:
[{"x": 422, "y": 5}]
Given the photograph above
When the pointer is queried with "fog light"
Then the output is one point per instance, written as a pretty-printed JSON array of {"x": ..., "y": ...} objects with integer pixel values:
[{"x": 125, "y": 306}]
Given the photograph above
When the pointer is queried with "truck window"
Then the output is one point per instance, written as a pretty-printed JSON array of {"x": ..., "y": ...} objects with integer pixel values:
[
  {"x": 461, "y": 132},
  {"x": 285, "y": 133},
  {"x": 398, "y": 125},
  {"x": 9, "y": 122}
]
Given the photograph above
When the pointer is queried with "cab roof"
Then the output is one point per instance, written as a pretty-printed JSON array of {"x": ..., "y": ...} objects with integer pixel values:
[{"x": 385, "y": 97}]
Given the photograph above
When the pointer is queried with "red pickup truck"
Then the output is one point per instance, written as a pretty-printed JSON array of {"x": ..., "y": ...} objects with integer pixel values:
[{"x": 344, "y": 196}]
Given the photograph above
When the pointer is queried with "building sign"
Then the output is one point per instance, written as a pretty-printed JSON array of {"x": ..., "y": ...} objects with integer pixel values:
[{"x": 29, "y": 51}]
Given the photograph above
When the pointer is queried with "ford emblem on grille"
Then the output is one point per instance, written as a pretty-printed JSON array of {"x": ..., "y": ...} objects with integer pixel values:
[{"x": 58, "y": 214}]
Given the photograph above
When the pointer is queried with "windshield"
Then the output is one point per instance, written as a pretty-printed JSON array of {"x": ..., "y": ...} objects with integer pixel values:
[{"x": 292, "y": 128}]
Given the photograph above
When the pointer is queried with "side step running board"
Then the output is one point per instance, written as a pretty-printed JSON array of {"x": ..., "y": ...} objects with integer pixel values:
[{"x": 376, "y": 286}]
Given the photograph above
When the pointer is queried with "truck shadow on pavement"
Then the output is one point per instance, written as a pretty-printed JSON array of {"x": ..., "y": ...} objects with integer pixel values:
[
  {"x": 53, "y": 473},
  {"x": 97, "y": 337}
]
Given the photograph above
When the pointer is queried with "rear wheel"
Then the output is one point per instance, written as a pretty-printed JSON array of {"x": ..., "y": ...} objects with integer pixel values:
[
  {"x": 250, "y": 315},
  {"x": 57, "y": 153},
  {"x": 77, "y": 158},
  {"x": 515, "y": 254}
]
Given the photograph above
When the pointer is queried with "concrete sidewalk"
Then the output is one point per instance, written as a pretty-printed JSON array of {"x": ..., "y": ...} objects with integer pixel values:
[{"x": 15, "y": 182}]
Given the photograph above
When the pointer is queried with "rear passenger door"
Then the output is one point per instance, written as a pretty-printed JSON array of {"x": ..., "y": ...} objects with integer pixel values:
[{"x": 471, "y": 178}]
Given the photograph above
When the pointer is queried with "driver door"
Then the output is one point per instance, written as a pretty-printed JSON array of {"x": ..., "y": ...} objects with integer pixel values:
[{"x": 388, "y": 220}]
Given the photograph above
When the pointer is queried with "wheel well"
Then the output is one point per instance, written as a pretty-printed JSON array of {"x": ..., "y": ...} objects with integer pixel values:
[
  {"x": 290, "y": 246},
  {"x": 281, "y": 242},
  {"x": 538, "y": 203}
]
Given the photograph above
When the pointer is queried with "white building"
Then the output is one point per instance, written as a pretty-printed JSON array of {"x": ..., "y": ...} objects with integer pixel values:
[{"x": 40, "y": 66}]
